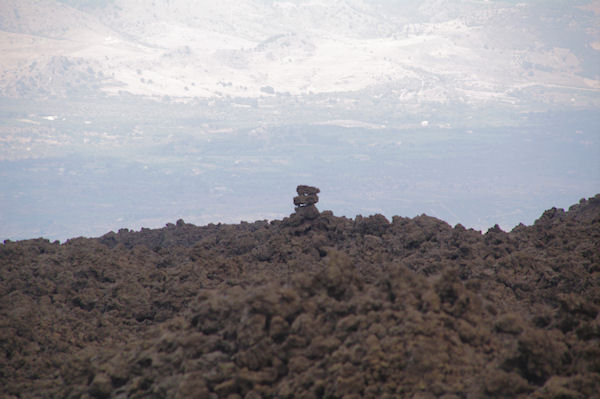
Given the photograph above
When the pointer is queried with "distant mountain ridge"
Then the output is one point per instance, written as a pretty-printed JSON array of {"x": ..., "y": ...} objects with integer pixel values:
[{"x": 424, "y": 52}]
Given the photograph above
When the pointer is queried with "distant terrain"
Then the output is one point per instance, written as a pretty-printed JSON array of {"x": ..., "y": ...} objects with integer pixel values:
[
  {"x": 312, "y": 305},
  {"x": 129, "y": 113},
  {"x": 419, "y": 52},
  {"x": 93, "y": 170}
]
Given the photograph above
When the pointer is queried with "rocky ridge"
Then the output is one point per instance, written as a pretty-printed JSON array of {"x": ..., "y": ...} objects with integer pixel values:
[{"x": 312, "y": 306}]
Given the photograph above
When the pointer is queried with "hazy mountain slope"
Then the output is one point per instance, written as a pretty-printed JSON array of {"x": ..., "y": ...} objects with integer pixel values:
[
  {"x": 52, "y": 49},
  {"x": 46, "y": 18},
  {"x": 471, "y": 51}
]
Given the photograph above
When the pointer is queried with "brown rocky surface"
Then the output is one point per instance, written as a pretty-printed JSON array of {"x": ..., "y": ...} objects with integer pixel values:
[{"x": 307, "y": 307}]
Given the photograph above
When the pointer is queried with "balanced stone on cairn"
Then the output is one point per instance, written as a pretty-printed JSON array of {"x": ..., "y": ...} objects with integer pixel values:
[{"x": 306, "y": 200}]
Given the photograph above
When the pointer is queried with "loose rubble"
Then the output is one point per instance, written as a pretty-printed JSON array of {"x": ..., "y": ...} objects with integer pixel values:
[{"x": 311, "y": 306}]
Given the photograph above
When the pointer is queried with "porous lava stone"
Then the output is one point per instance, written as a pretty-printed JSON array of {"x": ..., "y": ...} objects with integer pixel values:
[{"x": 310, "y": 307}]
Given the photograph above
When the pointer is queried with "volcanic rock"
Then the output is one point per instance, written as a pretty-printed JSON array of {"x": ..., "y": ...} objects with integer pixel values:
[
  {"x": 327, "y": 308},
  {"x": 305, "y": 205},
  {"x": 305, "y": 202}
]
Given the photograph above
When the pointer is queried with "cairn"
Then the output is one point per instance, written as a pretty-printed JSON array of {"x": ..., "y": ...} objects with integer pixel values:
[{"x": 305, "y": 202}]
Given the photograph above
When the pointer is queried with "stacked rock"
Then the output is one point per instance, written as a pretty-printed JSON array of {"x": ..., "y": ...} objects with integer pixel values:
[{"x": 306, "y": 200}]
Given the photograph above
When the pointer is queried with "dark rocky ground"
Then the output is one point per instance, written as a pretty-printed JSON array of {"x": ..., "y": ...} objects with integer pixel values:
[{"x": 328, "y": 307}]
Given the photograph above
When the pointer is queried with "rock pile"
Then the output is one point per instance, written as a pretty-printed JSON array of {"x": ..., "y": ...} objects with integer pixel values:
[{"x": 305, "y": 202}]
